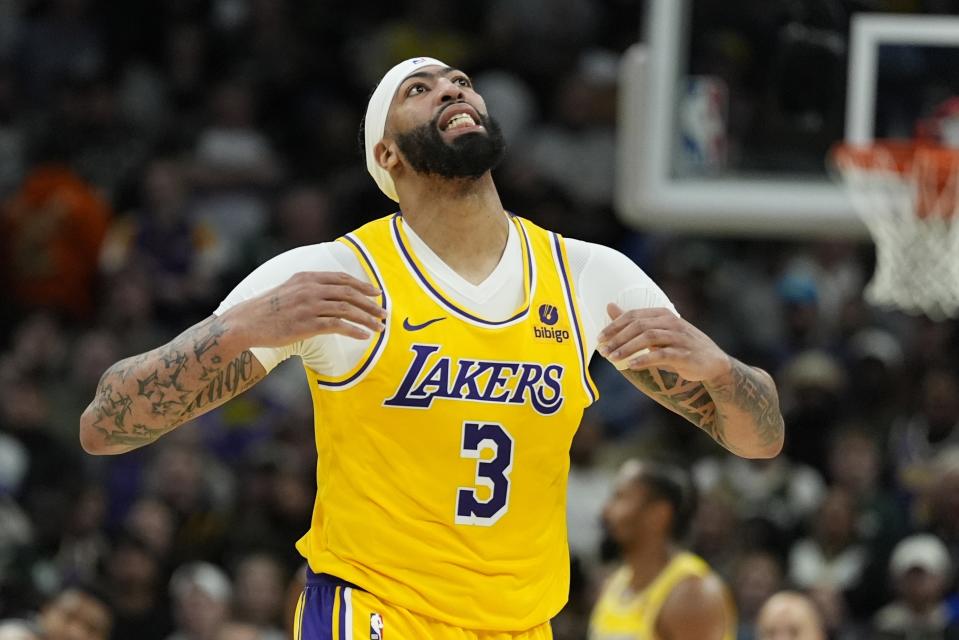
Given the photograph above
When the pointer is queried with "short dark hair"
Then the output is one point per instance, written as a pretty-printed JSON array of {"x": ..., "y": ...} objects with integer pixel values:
[{"x": 671, "y": 483}]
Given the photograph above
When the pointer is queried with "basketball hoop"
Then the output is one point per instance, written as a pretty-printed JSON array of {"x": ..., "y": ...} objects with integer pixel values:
[{"x": 907, "y": 194}]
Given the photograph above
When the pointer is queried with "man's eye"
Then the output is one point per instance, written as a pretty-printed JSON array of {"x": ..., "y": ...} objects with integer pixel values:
[
  {"x": 464, "y": 82},
  {"x": 416, "y": 89}
]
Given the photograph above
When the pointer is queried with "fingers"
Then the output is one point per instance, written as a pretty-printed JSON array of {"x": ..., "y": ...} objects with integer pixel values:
[
  {"x": 656, "y": 316},
  {"x": 650, "y": 339},
  {"x": 614, "y": 310},
  {"x": 343, "y": 310},
  {"x": 627, "y": 325},
  {"x": 353, "y": 297},
  {"x": 342, "y": 279},
  {"x": 337, "y": 302},
  {"x": 666, "y": 357},
  {"x": 342, "y": 327}
]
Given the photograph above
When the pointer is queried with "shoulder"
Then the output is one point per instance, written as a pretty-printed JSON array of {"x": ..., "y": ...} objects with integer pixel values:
[
  {"x": 603, "y": 275},
  {"x": 326, "y": 256},
  {"x": 592, "y": 260},
  {"x": 583, "y": 250},
  {"x": 695, "y": 608}
]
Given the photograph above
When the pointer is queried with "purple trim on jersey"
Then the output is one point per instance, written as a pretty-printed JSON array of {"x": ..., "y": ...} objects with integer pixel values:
[
  {"x": 572, "y": 312},
  {"x": 382, "y": 334},
  {"x": 448, "y": 303}
]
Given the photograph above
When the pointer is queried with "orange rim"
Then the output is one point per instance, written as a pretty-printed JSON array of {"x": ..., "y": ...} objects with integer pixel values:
[{"x": 932, "y": 169}]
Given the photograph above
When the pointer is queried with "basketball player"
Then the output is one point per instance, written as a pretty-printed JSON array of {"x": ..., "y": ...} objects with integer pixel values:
[
  {"x": 661, "y": 591},
  {"x": 446, "y": 349}
]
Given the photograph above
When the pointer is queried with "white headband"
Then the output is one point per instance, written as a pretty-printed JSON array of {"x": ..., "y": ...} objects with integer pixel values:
[{"x": 376, "y": 111}]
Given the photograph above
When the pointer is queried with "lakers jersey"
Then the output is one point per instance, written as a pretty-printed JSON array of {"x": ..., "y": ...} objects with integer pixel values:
[
  {"x": 443, "y": 455},
  {"x": 622, "y": 614}
]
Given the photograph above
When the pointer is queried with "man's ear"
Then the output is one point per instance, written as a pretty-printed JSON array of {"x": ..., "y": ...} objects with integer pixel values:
[
  {"x": 660, "y": 514},
  {"x": 386, "y": 154}
]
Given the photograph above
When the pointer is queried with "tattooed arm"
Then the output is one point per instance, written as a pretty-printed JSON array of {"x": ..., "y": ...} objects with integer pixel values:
[
  {"x": 143, "y": 397},
  {"x": 738, "y": 410},
  {"x": 683, "y": 370}
]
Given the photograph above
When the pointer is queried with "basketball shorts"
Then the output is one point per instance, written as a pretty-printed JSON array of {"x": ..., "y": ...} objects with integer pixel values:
[{"x": 332, "y": 609}]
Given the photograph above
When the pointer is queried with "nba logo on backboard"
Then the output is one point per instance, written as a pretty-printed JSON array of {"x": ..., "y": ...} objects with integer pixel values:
[
  {"x": 376, "y": 626},
  {"x": 548, "y": 314},
  {"x": 702, "y": 126}
]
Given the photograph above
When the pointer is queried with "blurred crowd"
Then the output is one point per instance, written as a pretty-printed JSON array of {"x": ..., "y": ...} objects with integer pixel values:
[{"x": 153, "y": 153}]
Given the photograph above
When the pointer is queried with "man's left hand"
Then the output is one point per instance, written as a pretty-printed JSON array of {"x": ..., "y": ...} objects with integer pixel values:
[{"x": 672, "y": 343}]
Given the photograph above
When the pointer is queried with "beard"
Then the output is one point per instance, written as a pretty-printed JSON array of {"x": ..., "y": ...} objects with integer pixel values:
[{"x": 469, "y": 155}]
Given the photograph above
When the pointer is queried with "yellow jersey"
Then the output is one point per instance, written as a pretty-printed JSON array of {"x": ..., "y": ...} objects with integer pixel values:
[
  {"x": 621, "y": 614},
  {"x": 443, "y": 455}
]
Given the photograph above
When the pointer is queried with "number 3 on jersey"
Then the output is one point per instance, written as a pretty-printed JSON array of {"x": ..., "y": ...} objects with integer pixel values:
[{"x": 492, "y": 474}]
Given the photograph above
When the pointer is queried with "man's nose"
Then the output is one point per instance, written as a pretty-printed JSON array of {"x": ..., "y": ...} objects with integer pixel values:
[{"x": 449, "y": 90}]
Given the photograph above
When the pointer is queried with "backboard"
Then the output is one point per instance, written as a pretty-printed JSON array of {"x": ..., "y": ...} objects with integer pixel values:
[{"x": 714, "y": 143}]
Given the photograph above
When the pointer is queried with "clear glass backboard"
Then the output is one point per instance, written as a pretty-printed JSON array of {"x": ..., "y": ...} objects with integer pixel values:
[{"x": 728, "y": 110}]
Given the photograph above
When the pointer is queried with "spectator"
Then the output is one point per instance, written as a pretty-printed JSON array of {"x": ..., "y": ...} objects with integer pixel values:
[
  {"x": 201, "y": 596},
  {"x": 239, "y": 631},
  {"x": 833, "y": 556},
  {"x": 76, "y": 613},
  {"x": 83, "y": 545},
  {"x": 587, "y": 488},
  {"x": 52, "y": 228},
  {"x": 260, "y": 583},
  {"x": 151, "y": 521},
  {"x": 162, "y": 237},
  {"x": 788, "y": 615},
  {"x": 855, "y": 465},
  {"x": 920, "y": 568},
  {"x": 814, "y": 385},
  {"x": 135, "y": 577},
  {"x": 933, "y": 426},
  {"x": 198, "y": 490},
  {"x": 718, "y": 534},
  {"x": 855, "y": 461},
  {"x": 876, "y": 361},
  {"x": 758, "y": 576},
  {"x": 582, "y": 127},
  {"x": 778, "y": 493},
  {"x": 942, "y": 500},
  {"x": 234, "y": 164},
  {"x": 302, "y": 216}
]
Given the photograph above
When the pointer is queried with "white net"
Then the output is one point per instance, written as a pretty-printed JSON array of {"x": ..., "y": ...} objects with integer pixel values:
[{"x": 908, "y": 197}]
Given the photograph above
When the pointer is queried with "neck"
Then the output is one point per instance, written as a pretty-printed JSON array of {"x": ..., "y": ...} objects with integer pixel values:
[
  {"x": 647, "y": 562},
  {"x": 461, "y": 221}
]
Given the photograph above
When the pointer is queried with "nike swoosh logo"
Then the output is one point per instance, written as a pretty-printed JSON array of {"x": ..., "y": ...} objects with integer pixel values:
[{"x": 416, "y": 327}]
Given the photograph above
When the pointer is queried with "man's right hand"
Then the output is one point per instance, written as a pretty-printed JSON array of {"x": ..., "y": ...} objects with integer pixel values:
[
  {"x": 308, "y": 304},
  {"x": 141, "y": 398}
]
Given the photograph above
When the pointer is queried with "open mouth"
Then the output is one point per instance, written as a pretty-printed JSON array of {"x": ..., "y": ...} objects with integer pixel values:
[{"x": 460, "y": 117}]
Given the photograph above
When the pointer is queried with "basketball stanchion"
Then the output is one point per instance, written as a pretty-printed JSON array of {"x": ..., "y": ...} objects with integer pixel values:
[{"x": 907, "y": 194}]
